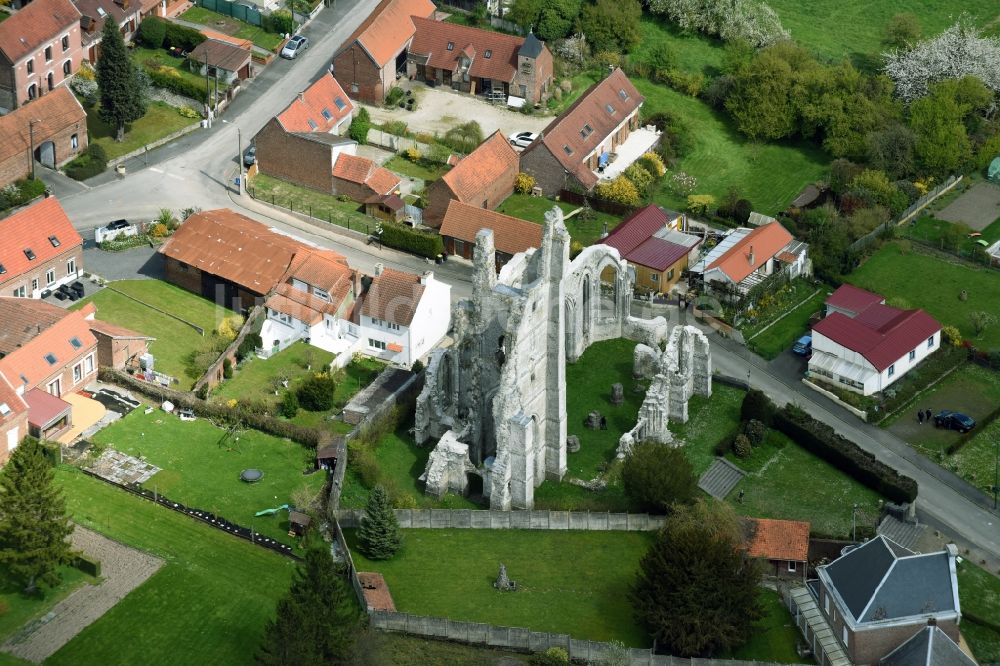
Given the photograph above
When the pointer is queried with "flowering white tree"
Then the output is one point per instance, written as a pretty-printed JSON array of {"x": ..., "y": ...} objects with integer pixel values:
[
  {"x": 958, "y": 51},
  {"x": 750, "y": 20}
]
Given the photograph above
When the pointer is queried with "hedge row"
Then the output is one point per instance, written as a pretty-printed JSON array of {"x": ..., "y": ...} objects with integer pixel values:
[
  {"x": 309, "y": 437},
  {"x": 170, "y": 79},
  {"x": 821, "y": 440},
  {"x": 412, "y": 240},
  {"x": 88, "y": 164},
  {"x": 964, "y": 438}
]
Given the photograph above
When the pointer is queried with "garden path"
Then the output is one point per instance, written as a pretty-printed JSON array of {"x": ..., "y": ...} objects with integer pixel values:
[{"x": 123, "y": 569}]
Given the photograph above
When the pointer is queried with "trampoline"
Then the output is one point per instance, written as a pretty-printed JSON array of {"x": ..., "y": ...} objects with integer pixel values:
[{"x": 251, "y": 475}]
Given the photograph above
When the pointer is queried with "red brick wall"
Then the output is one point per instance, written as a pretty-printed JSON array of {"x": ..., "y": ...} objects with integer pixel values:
[
  {"x": 65, "y": 373},
  {"x": 18, "y": 166},
  {"x": 359, "y": 76},
  {"x": 115, "y": 353},
  {"x": 548, "y": 172},
  {"x": 58, "y": 264},
  {"x": 353, "y": 190},
  {"x": 292, "y": 158},
  {"x": 438, "y": 196},
  {"x": 17, "y": 79},
  {"x": 183, "y": 275},
  {"x": 18, "y": 424}
]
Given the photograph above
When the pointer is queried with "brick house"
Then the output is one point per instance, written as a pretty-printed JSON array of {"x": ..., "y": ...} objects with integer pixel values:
[
  {"x": 118, "y": 347},
  {"x": 483, "y": 178},
  {"x": 510, "y": 234},
  {"x": 55, "y": 124},
  {"x": 367, "y": 64},
  {"x": 95, "y": 13},
  {"x": 46, "y": 352},
  {"x": 782, "y": 546},
  {"x": 361, "y": 179},
  {"x": 40, "y": 49},
  {"x": 477, "y": 61},
  {"x": 877, "y": 596},
  {"x": 651, "y": 241},
  {"x": 581, "y": 140},
  {"x": 39, "y": 250}
]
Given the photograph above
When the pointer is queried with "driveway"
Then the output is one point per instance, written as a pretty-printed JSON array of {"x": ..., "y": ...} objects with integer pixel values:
[
  {"x": 134, "y": 264},
  {"x": 439, "y": 109}
]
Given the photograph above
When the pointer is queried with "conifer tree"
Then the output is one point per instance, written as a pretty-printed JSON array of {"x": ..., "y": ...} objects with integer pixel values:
[
  {"x": 34, "y": 527},
  {"x": 379, "y": 534},
  {"x": 119, "y": 82},
  {"x": 316, "y": 621}
]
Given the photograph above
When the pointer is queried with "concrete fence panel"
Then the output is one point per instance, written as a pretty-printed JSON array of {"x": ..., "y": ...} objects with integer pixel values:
[
  {"x": 559, "y": 520},
  {"x": 480, "y": 520},
  {"x": 517, "y": 520}
]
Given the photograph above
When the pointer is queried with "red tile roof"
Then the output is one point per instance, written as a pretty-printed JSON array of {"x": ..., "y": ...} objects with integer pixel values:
[
  {"x": 44, "y": 407},
  {"x": 765, "y": 242},
  {"x": 56, "y": 112},
  {"x": 9, "y": 397},
  {"x": 883, "y": 335},
  {"x": 364, "y": 171},
  {"x": 295, "y": 309},
  {"x": 223, "y": 55},
  {"x": 29, "y": 362},
  {"x": 388, "y": 28},
  {"x": 22, "y": 319},
  {"x": 94, "y": 23},
  {"x": 393, "y": 296},
  {"x": 853, "y": 299},
  {"x": 591, "y": 109},
  {"x": 376, "y": 591},
  {"x": 321, "y": 99},
  {"x": 494, "y": 159},
  {"x": 510, "y": 234},
  {"x": 786, "y": 540},
  {"x": 636, "y": 229},
  {"x": 433, "y": 37},
  {"x": 115, "y": 331},
  {"x": 30, "y": 228},
  {"x": 38, "y": 22},
  {"x": 657, "y": 254}
]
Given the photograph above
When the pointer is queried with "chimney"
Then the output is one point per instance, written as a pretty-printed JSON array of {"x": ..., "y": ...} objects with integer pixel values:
[
  {"x": 751, "y": 255},
  {"x": 378, "y": 269},
  {"x": 427, "y": 277},
  {"x": 932, "y": 622},
  {"x": 302, "y": 96}
]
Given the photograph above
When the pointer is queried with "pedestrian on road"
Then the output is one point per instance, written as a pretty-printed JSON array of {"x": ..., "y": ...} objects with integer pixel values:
[
  {"x": 927, "y": 416},
  {"x": 920, "y": 416}
]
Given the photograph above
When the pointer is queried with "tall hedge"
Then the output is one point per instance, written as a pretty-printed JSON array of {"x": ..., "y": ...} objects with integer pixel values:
[
  {"x": 821, "y": 440},
  {"x": 152, "y": 32},
  {"x": 170, "y": 79},
  {"x": 412, "y": 240},
  {"x": 181, "y": 37}
]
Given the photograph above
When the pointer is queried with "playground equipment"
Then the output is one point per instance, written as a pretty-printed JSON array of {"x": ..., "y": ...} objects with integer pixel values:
[{"x": 271, "y": 512}]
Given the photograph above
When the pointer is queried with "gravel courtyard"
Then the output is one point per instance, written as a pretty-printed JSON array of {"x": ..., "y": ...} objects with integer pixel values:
[{"x": 978, "y": 207}]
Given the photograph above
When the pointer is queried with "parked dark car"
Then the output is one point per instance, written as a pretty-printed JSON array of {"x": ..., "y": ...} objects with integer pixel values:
[
  {"x": 117, "y": 224},
  {"x": 804, "y": 346},
  {"x": 954, "y": 421},
  {"x": 250, "y": 156}
]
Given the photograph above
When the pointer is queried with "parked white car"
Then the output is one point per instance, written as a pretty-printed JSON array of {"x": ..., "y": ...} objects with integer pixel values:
[{"x": 522, "y": 139}]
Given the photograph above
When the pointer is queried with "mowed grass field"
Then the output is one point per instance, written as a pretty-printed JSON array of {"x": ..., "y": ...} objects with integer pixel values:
[
  {"x": 568, "y": 582},
  {"x": 206, "y": 605},
  {"x": 918, "y": 280}
]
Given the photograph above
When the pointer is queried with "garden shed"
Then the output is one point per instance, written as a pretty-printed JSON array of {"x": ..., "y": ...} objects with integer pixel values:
[{"x": 994, "y": 170}]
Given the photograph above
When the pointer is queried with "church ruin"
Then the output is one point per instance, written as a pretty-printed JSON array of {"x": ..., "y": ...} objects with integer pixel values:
[{"x": 500, "y": 389}]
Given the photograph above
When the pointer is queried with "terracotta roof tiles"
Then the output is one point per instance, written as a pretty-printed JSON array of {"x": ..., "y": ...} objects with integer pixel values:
[
  {"x": 493, "y": 54},
  {"x": 115, "y": 331},
  {"x": 15, "y": 403},
  {"x": 393, "y": 296},
  {"x": 492, "y": 160},
  {"x": 510, "y": 234},
  {"x": 223, "y": 55},
  {"x": 763, "y": 242},
  {"x": 33, "y": 25},
  {"x": 55, "y": 112},
  {"x": 786, "y": 540},
  {"x": 46, "y": 352},
  {"x": 41, "y": 228},
  {"x": 364, "y": 171},
  {"x": 324, "y": 103},
  {"x": 389, "y": 27}
]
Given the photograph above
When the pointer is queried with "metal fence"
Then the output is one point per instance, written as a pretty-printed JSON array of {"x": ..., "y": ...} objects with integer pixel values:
[
  {"x": 513, "y": 520},
  {"x": 238, "y": 11},
  {"x": 906, "y": 215}
]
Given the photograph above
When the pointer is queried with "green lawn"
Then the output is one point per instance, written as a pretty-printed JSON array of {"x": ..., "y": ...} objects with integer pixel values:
[
  {"x": 21, "y": 609},
  {"x": 423, "y": 169},
  {"x": 979, "y": 594},
  {"x": 770, "y": 175},
  {"x": 775, "y": 636},
  {"x": 794, "y": 324},
  {"x": 206, "y": 605},
  {"x": 200, "y": 467},
  {"x": 175, "y": 340},
  {"x": 710, "y": 420},
  {"x": 153, "y": 57},
  {"x": 304, "y": 200},
  {"x": 160, "y": 120},
  {"x": 233, "y": 27},
  {"x": 381, "y": 647},
  {"x": 693, "y": 52},
  {"x": 916, "y": 280},
  {"x": 567, "y": 582},
  {"x": 976, "y": 461},
  {"x": 853, "y": 28},
  {"x": 931, "y": 230},
  {"x": 585, "y": 227}
]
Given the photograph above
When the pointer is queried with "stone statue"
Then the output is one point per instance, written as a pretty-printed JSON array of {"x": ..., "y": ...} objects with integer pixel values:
[
  {"x": 617, "y": 394},
  {"x": 593, "y": 420},
  {"x": 503, "y": 583}
]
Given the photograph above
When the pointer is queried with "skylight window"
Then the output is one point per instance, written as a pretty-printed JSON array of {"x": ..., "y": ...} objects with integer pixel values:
[
  {"x": 3, "y": 269},
  {"x": 29, "y": 253},
  {"x": 75, "y": 341},
  {"x": 451, "y": 46},
  {"x": 55, "y": 241},
  {"x": 610, "y": 109},
  {"x": 312, "y": 124},
  {"x": 340, "y": 103},
  {"x": 488, "y": 54},
  {"x": 4, "y": 409},
  {"x": 327, "y": 114},
  {"x": 623, "y": 94},
  {"x": 568, "y": 150},
  {"x": 586, "y": 131},
  {"x": 50, "y": 359}
]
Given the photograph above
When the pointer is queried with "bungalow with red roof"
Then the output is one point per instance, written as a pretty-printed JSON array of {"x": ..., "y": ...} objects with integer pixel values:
[
  {"x": 781, "y": 545},
  {"x": 483, "y": 178},
  {"x": 39, "y": 250},
  {"x": 229, "y": 62},
  {"x": 368, "y": 62},
  {"x": 746, "y": 257},
  {"x": 596, "y": 137},
  {"x": 55, "y": 125},
  {"x": 46, "y": 353},
  {"x": 40, "y": 49},
  {"x": 515, "y": 70},
  {"x": 864, "y": 345},
  {"x": 510, "y": 234},
  {"x": 651, "y": 240}
]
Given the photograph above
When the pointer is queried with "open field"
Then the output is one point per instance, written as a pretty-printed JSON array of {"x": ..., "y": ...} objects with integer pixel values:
[
  {"x": 693, "y": 52},
  {"x": 233, "y": 27},
  {"x": 175, "y": 340},
  {"x": 207, "y": 605},
  {"x": 449, "y": 573},
  {"x": 770, "y": 175},
  {"x": 933, "y": 231},
  {"x": 979, "y": 594},
  {"x": 200, "y": 467},
  {"x": 917, "y": 280},
  {"x": 160, "y": 120},
  {"x": 976, "y": 461}
]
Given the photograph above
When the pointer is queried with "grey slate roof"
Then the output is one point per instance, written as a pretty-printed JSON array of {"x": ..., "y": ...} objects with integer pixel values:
[
  {"x": 532, "y": 46},
  {"x": 928, "y": 647},
  {"x": 881, "y": 580}
]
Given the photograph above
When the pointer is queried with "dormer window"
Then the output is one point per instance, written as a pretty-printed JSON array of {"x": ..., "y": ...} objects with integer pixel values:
[
  {"x": 29, "y": 253},
  {"x": 567, "y": 150},
  {"x": 4, "y": 409},
  {"x": 326, "y": 114},
  {"x": 451, "y": 46},
  {"x": 3, "y": 269},
  {"x": 54, "y": 240},
  {"x": 623, "y": 94},
  {"x": 488, "y": 54}
]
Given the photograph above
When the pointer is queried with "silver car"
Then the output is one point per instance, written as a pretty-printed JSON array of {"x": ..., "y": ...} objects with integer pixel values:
[{"x": 295, "y": 45}]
